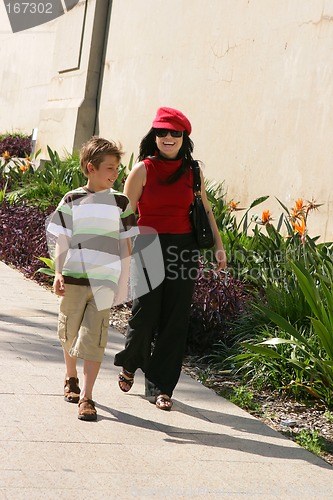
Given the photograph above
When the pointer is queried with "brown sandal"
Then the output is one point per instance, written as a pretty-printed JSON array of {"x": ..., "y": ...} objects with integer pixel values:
[
  {"x": 87, "y": 410},
  {"x": 71, "y": 390},
  {"x": 127, "y": 378},
  {"x": 163, "y": 402}
]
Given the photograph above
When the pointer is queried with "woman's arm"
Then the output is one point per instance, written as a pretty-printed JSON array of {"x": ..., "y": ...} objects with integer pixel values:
[
  {"x": 220, "y": 254},
  {"x": 134, "y": 184}
]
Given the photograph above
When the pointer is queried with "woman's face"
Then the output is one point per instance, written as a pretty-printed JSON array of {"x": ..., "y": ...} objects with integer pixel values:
[{"x": 168, "y": 142}]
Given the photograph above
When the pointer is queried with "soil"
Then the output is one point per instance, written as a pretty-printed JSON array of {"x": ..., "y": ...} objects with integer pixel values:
[{"x": 280, "y": 412}]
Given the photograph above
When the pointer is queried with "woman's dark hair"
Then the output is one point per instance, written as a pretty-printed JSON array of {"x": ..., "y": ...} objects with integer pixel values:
[{"x": 148, "y": 148}]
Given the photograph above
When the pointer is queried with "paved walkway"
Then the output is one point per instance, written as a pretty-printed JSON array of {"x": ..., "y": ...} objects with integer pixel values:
[{"x": 204, "y": 448}]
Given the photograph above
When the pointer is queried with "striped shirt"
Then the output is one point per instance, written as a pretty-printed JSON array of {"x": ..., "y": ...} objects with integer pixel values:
[{"x": 94, "y": 223}]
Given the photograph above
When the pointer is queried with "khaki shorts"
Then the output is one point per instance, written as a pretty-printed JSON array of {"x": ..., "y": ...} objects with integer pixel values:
[{"x": 82, "y": 328}]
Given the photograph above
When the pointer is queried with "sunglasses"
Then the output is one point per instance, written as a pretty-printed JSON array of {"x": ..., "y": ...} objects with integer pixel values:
[{"x": 163, "y": 132}]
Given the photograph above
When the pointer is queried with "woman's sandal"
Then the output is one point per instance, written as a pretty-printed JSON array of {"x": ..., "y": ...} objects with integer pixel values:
[
  {"x": 163, "y": 402},
  {"x": 126, "y": 378}
]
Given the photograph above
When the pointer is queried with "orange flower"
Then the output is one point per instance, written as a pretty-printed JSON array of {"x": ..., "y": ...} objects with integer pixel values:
[
  {"x": 266, "y": 217},
  {"x": 233, "y": 207},
  {"x": 299, "y": 204},
  {"x": 298, "y": 212},
  {"x": 25, "y": 166},
  {"x": 5, "y": 155},
  {"x": 300, "y": 228},
  {"x": 295, "y": 214}
]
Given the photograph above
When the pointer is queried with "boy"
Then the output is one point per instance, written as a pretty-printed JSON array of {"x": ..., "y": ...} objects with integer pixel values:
[{"x": 92, "y": 226}]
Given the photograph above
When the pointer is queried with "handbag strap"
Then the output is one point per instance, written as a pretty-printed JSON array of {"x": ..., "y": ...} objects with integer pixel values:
[{"x": 196, "y": 178}]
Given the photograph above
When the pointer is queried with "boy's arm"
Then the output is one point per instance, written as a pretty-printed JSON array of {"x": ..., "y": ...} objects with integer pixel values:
[
  {"x": 121, "y": 295},
  {"x": 61, "y": 250}
]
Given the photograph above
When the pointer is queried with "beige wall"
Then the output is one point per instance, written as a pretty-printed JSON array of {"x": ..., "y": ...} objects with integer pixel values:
[
  {"x": 25, "y": 64},
  {"x": 50, "y": 76},
  {"x": 69, "y": 116},
  {"x": 254, "y": 77}
]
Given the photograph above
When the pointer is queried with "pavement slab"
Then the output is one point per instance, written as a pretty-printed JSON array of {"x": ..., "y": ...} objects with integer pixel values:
[{"x": 206, "y": 447}]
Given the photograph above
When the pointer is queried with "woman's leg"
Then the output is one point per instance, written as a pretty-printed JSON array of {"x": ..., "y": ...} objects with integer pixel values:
[
  {"x": 147, "y": 283},
  {"x": 140, "y": 333},
  {"x": 166, "y": 361},
  {"x": 181, "y": 271}
]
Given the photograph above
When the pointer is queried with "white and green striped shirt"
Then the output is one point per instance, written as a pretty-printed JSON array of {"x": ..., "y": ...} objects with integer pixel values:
[{"x": 94, "y": 223}]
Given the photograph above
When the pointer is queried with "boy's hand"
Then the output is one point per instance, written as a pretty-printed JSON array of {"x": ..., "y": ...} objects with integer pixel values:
[{"x": 59, "y": 285}]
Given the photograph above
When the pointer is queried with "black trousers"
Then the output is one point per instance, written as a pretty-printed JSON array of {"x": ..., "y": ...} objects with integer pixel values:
[{"x": 157, "y": 331}]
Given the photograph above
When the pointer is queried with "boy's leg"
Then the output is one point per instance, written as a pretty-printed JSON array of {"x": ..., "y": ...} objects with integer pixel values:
[
  {"x": 70, "y": 363},
  {"x": 71, "y": 310},
  {"x": 90, "y": 346},
  {"x": 71, "y": 383},
  {"x": 90, "y": 372},
  {"x": 87, "y": 410}
]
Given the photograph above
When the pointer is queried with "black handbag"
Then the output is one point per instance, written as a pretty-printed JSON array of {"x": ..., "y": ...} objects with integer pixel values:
[{"x": 200, "y": 223}]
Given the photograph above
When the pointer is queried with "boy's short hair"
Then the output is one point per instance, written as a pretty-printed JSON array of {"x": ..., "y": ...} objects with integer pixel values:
[{"x": 95, "y": 150}]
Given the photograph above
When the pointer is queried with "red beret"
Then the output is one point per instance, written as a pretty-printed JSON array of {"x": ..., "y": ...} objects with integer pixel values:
[{"x": 171, "y": 119}]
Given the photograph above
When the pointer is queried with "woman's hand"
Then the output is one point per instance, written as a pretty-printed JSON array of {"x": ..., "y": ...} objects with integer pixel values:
[
  {"x": 221, "y": 258},
  {"x": 220, "y": 255}
]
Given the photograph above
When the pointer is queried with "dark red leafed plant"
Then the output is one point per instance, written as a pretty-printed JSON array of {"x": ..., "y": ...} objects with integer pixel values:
[
  {"x": 218, "y": 298},
  {"x": 23, "y": 238},
  {"x": 15, "y": 145}
]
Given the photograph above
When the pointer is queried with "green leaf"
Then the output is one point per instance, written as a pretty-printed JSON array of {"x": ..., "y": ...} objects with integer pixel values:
[
  {"x": 49, "y": 262},
  {"x": 130, "y": 164},
  {"x": 276, "y": 341},
  {"x": 278, "y": 227},
  {"x": 324, "y": 335},
  {"x": 308, "y": 288},
  {"x": 264, "y": 351},
  {"x": 45, "y": 270},
  {"x": 258, "y": 201},
  {"x": 282, "y": 205},
  {"x": 329, "y": 299},
  {"x": 51, "y": 155},
  {"x": 245, "y": 223},
  {"x": 283, "y": 324}
]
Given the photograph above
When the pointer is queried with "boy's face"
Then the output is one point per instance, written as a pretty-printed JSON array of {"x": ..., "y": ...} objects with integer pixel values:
[{"x": 105, "y": 175}]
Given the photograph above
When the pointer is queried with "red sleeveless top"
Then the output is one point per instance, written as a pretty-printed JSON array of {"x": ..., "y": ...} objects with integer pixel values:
[{"x": 165, "y": 207}]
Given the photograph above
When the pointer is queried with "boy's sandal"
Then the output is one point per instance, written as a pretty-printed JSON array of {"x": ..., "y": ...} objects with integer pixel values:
[
  {"x": 125, "y": 380},
  {"x": 71, "y": 390},
  {"x": 163, "y": 402},
  {"x": 87, "y": 410}
]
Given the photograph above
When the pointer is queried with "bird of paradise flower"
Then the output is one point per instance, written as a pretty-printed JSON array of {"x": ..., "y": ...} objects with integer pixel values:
[{"x": 298, "y": 215}]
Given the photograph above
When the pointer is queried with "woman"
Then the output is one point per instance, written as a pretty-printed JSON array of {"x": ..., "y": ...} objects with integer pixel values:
[{"x": 160, "y": 187}]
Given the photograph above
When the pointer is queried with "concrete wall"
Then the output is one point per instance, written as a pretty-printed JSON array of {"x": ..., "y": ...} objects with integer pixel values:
[
  {"x": 253, "y": 76},
  {"x": 69, "y": 116},
  {"x": 25, "y": 72},
  {"x": 50, "y": 76}
]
